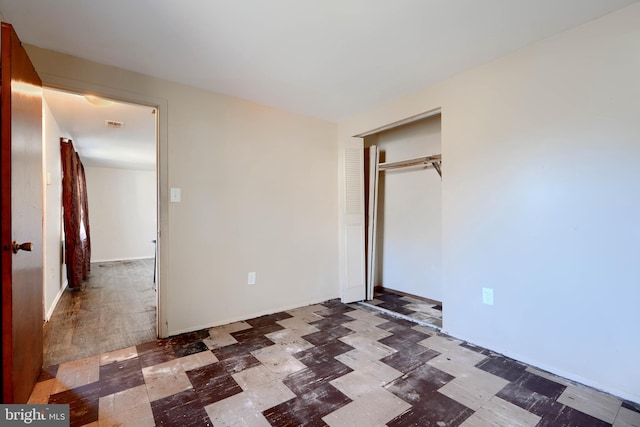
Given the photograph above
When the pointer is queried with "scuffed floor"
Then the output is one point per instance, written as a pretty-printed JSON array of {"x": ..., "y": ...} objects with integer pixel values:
[
  {"x": 115, "y": 309},
  {"x": 329, "y": 364}
]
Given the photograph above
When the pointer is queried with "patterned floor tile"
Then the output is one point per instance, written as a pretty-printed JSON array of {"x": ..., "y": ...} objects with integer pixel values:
[
  {"x": 197, "y": 360},
  {"x": 627, "y": 418},
  {"x": 77, "y": 373},
  {"x": 165, "y": 379},
  {"x": 433, "y": 409},
  {"x": 325, "y": 364},
  {"x": 599, "y": 405},
  {"x": 278, "y": 361},
  {"x": 373, "y": 408},
  {"x": 499, "y": 413},
  {"x": 474, "y": 389},
  {"x": 118, "y": 355},
  {"x": 289, "y": 341},
  {"x": 128, "y": 407},
  {"x": 183, "y": 409},
  {"x": 119, "y": 376},
  {"x": 308, "y": 407}
]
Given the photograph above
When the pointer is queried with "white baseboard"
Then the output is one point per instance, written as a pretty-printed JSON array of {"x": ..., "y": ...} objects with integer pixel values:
[
  {"x": 121, "y": 259},
  {"x": 55, "y": 301}
]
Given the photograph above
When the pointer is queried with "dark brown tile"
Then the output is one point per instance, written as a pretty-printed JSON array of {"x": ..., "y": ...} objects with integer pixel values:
[
  {"x": 409, "y": 357},
  {"x": 247, "y": 345},
  {"x": 503, "y": 367},
  {"x": 82, "y": 401},
  {"x": 119, "y": 376},
  {"x": 434, "y": 409},
  {"x": 321, "y": 360},
  {"x": 397, "y": 325},
  {"x": 335, "y": 310},
  {"x": 419, "y": 383},
  {"x": 258, "y": 331},
  {"x": 308, "y": 408},
  {"x": 213, "y": 389},
  {"x": 154, "y": 353},
  {"x": 192, "y": 348},
  {"x": 182, "y": 409},
  {"x": 268, "y": 319},
  {"x": 331, "y": 322},
  {"x": 475, "y": 348},
  {"x": 188, "y": 338},
  {"x": 565, "y": 416},
  {"x": 327, "y": 336}
]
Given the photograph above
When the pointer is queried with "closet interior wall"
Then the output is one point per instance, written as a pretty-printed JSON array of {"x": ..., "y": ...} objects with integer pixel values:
[{"x": 409, "y": 222}]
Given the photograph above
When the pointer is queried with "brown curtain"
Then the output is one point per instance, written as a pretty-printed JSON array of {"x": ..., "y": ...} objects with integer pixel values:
[{"x": 75, "y": 215}]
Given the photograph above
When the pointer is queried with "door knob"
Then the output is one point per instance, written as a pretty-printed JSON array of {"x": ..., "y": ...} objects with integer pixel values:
[{"x": 21, "y": 246}]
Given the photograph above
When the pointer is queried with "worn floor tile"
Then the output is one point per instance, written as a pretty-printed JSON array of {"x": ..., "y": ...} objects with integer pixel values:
[
  {"x": 597, "y": 404},
  {"x": 118, "y": 355},
  {"x": 77, "y": 373},
  {"x": 374, "y": 408},
  {"x": 458, "y": 362},
  {"x": 128, "y": 407},
  {"x": 499, "y": 413},
  {"x": 197, "y": 360},
  {"x": 627, "y": 418},
  {"x": 329, "y": 364},
  {"x": 289, "y": 341},
  {"x": 165, "y": 379},
  {"x": 278, "y": 361},
  {"x": 474, "y": 389}
]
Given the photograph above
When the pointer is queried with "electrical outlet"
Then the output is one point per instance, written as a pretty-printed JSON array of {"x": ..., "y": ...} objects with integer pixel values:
[
  {"x": 251, "y": 278},
  {"x": 487, "y": 296}
]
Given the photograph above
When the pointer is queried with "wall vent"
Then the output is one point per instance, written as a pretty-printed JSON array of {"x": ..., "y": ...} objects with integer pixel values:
[{"x": 113, "y": 124}]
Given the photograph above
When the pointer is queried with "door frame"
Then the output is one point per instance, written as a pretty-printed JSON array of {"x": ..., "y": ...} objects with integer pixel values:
[
  {"x": 352, "y": 250},
  {"x": 162, "y": 193}
]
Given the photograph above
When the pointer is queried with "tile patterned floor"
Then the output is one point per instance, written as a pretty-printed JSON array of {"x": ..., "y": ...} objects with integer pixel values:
[
  {"x": 422, "y": 309},
  {"x": 326, "y": 364}
]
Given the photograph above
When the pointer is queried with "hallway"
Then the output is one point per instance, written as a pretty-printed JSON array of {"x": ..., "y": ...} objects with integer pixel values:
[{"x": 115, "y": 309}]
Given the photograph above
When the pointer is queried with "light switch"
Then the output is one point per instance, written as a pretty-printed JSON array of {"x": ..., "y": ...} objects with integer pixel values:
[{"x": 176, "y": 195}]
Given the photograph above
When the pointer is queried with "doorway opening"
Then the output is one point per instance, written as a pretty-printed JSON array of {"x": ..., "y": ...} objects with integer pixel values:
[
  {"x": 403, "y": 216},
  {"x": 117, "y": 305}
]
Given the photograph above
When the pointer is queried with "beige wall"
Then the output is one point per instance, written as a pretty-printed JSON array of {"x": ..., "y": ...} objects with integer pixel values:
[
  {"x": 409, "y": 246},
  {"x": 259, "y": 193},
  {"x": 540, "y": 200},
  {"x": 122, "y": 213},
  {"x": 55, "y": 273}
]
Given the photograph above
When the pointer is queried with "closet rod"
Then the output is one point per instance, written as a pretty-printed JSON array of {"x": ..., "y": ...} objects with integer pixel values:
[{"x": 418, "y": 161}]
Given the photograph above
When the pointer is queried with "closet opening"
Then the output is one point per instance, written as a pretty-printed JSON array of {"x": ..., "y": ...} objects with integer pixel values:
[{"x": 403, "y": 219}]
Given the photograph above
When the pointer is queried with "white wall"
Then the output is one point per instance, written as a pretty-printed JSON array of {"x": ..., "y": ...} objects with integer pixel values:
[
  {"x": 409, "y": 245},
  {"x": 55, "y": 274},
  {"x": 122, "y": 213},
  {"x": 259, "y": 193},
  {"x": 541, "y": 202}
]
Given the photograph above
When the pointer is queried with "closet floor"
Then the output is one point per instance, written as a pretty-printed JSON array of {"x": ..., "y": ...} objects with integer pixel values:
[
  {"x": 422, "y": 309},
  {"x": 115, "y": 309}
]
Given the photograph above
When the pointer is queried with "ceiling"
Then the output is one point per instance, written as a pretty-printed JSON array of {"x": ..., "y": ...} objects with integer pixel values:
[
  {"x": 328, "y": 59},
  {"x": 84, "y": 119}
]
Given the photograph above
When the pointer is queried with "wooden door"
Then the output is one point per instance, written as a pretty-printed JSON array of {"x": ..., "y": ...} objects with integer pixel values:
[{"x": 20, "y": 219}]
